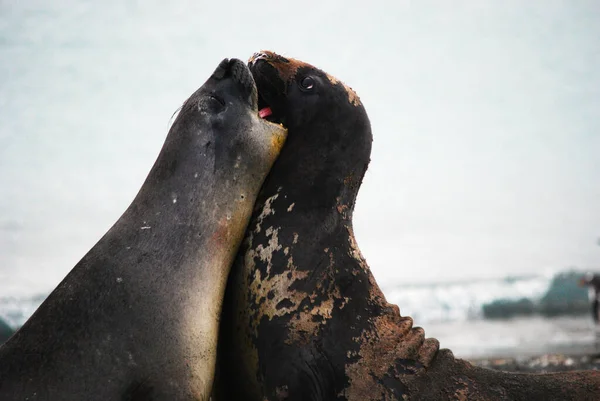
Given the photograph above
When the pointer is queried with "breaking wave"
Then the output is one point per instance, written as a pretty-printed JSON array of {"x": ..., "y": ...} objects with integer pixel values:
[
  {"x": 508, "y": 297},
  {"x": 551, "y": 295}
]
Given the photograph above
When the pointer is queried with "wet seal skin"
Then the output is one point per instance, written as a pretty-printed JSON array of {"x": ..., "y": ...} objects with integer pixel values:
[
  {"x": 137, "y": 317},
  {"x": 303, "y": 318}
]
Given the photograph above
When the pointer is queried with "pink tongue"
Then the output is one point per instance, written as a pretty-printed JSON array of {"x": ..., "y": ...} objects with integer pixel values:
[{"x": 266, "y": 112}]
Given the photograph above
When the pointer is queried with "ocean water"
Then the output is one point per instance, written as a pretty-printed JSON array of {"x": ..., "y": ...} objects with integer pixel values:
[
  {"x": 453, "y": 313},
  {"x": 556, "y": 318},
  {"x": 486, "y": 154},
  {"x": 431, "y": 303},
  {"x": 462, "y": 300}
]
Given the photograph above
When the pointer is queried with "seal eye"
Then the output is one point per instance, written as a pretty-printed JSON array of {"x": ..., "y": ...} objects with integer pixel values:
[
  {"x": 216, "y": 99},
  {"x": 307, "y": 83},
  {"x": 214, "y": 103}
]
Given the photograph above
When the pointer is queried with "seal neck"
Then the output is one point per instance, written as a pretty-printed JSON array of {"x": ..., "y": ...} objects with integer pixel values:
[{"x": 322, "y": 166}]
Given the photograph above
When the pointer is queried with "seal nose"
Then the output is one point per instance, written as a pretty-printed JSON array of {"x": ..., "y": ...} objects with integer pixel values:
[
  {"x": 236, "y": 69},
  {"x": 238, "y": 72},
  {"x": 241, "y": 74},
  {"x": 259, "y": 56},
  {"x": 221, "y": 69}
]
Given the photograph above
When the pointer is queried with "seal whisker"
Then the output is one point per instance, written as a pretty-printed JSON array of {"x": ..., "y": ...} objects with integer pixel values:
[{"x": 173, "y": 116}]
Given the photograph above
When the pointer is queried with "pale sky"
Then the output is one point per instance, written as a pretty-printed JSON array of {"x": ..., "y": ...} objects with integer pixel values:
[{"x": 485, "y": 116}]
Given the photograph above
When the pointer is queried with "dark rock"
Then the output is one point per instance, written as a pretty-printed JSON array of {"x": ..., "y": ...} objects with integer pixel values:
[
  {"x": 565, "y": 296},
  {"x": 506, "y": 308},
  {"x": 5, "y": 331}
]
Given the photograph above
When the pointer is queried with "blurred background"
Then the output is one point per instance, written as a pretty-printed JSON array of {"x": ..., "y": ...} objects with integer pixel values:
[{"x": 480, "y": 208}]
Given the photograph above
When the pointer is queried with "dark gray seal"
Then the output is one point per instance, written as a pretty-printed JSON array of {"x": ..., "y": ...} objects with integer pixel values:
[
  {"x": 137, "y": 317},
  {"x": 304, "y": 318}
]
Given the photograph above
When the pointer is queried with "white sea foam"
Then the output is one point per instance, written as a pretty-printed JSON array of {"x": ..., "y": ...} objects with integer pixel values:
[{"x": 462, "y": 300}]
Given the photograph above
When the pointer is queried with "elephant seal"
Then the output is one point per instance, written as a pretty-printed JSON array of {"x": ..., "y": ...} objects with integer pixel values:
[
  {"x": 137, "y": 317},
  {"x": 303, "y": 318}
]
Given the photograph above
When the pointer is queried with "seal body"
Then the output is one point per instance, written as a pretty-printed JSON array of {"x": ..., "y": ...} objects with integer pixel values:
[
  {"x": 137, "y": 317},
  {"x": 303, "y": 317}
]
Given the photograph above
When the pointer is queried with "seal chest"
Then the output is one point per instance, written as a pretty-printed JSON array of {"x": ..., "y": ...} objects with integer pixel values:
[{"x": 137, "y": 318}]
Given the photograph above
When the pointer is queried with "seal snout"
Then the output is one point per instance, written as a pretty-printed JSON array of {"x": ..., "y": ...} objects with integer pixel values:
[
  {"x": 241, "y": 74},
  {"x": 237, "y": 71},
  {"x": 222, "y": 69}
]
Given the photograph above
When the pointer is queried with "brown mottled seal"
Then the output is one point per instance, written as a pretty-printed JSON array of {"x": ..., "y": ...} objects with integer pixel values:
[
  {"x": 303, "y": 317},
  {"x": 137, "y": 317}
]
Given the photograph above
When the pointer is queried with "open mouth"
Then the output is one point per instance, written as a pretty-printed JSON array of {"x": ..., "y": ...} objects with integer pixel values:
[{"x": 266, "y": 112}]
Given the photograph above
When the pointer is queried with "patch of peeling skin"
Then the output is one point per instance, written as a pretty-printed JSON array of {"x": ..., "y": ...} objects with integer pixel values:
[
  {"x": 285, "y": 301},
  {"x": 355, "y": 252},
  {"x": 343, "y": 209},
  {"x": 279, "y": 285},
  {"x": 266, "y": 211},
  {"x": 275, "y": 296},
  {"x": 352, "y": 96},
  {"x": 303, "y": 327},
  {"x": 391, "y": 342},
  {"x": 266, "y": 253}
]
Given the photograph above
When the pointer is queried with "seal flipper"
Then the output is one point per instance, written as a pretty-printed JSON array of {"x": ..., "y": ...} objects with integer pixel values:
[{"x": 451, "y": 378}]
